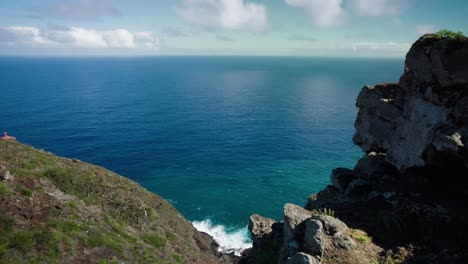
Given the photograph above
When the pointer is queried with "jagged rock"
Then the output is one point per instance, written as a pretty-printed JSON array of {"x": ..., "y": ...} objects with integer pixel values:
[
  {"x": 261, "y": 229},
  {"x": 293, "y": 229},
  {"x": 294, "y": 216},
  {"x": 302, "y": 258},
  {"x": 423, "y": 112},
  {"x": 322, "y": 198},
  {"x": 441, "y": 61},
  {"x": 314, "y": 240},
  {"x": 460, "y": 111},
  {"x": 331, "y": 225},
  {"x": 5, "y": 174},
  {"x": 340, "y": 240},
  {"x": 358, "y": 188},
  {"x": 341, "y": 178},
  {"x": 373, "y": 164},
  {"x": 408, "y": 191}
]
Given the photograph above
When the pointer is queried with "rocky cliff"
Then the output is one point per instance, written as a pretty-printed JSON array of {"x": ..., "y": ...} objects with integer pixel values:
[
  {"x": 58, "y": 210},
  {"x": 406, "y": 200}
]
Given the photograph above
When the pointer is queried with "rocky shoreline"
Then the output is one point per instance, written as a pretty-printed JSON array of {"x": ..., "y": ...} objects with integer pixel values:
[{"x": 406, "y": 200}]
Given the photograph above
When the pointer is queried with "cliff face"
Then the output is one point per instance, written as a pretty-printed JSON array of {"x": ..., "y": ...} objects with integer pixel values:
[
  {"x": 424, "y": 118},
  {"x": 57, "y": 210},
  {"x": 406, "y": 200}
]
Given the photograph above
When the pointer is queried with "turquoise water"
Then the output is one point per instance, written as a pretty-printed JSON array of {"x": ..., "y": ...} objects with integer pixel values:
[{"x": 219, "y": 137}]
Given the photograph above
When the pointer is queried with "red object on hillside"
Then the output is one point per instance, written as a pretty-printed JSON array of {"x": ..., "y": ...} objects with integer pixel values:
[{"x": 7, "y": 137}]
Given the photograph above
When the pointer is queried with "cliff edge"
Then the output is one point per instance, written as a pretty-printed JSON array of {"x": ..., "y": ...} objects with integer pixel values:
[
  {"x": 406, "y": 200},
  {"x": 58, "y": 210}
]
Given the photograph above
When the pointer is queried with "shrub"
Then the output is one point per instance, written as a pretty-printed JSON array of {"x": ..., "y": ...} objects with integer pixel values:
[
  {"x": 449, "y": 34},
  {"x": 324, "y": 211},
  {"x": 26, "y": 192}
]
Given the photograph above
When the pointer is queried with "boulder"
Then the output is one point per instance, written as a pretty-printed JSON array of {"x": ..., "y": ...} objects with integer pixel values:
[
  {"x": 261, "y": 229},
  {"x": 314, "y": 237},
  {"x": 294, "y": 216},
  {"x": 331, "y": 225},
  {"x": 5, "y": 174},
  {"x": 293, "y": 230}
]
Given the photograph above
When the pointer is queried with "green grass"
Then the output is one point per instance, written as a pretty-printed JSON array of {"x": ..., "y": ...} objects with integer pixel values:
[
  {"x": 72, "y": 181},
  {"x": 26, "y": 192},
  {"x": 5, "y": 189},
  {"x": 449, "y": 34},
  {"x": 99, "y": 238},
  {"x": 67, "y": 226},
  {"x": 154, "y": 240},
  {"x": 23, "y": 241},
  {"x": 177, "y": 258},
  {"x": 6, "y": 223},
  {"x": 361, "y": 237},
  {"x": 108, "y": 213}
]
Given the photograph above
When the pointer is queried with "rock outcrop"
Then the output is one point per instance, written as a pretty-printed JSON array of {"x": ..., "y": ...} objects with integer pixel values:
[
  {"x": 5, "y": 175},
  {"x": 310, "y": 237},
  {"x": 409, "y": 191},
  {"x": 423, "y": 118}
]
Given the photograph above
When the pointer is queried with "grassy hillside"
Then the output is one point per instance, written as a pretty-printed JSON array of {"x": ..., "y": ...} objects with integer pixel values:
[{"x": 58, "y": 210}]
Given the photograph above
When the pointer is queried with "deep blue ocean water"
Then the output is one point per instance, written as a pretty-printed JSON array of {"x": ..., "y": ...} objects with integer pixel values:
[{"x": 220, "y": 137}]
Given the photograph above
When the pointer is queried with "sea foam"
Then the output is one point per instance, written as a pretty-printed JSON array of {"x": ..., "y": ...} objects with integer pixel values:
[{"x": 230, "y": 240}]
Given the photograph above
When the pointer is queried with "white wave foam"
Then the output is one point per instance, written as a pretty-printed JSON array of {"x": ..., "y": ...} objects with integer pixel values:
[{"x": 229, "y": 240}]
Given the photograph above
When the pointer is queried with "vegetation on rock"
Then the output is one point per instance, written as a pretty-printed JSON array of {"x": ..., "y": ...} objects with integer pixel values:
[{"x": 449, "y": 34}]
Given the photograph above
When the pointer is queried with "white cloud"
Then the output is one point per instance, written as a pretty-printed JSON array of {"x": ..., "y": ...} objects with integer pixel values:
[
  {"x": 425, "y": 29},
  {"x": 227, "y": 14},
  {"x": 323, "y": 13},
  {"x": 22, "y": 35},
  {"x": 87, "y": 38},
  {"x": 119, "y": 38},
  {"x": 78, "y": 37},
  {"x": 379, "y": 7}
]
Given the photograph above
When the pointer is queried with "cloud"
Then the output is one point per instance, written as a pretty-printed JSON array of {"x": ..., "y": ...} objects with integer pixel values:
[
  {"x": 327, "y": 13},
  {"x": 75, "y": 10},
  {"x": 379, "y": 7},
  {"x": 23, "y": 36},
  {"x": 226, "y": 14},
  {"x": 78, "y": 37},
  {"x": 425, "y": 29}
]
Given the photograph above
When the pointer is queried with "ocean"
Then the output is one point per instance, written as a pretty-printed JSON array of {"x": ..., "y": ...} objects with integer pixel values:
[{"x": 221, "y": 138}]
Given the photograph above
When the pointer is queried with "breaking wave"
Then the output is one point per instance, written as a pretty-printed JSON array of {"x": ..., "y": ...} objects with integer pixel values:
[{"x": 230, "y": 240}]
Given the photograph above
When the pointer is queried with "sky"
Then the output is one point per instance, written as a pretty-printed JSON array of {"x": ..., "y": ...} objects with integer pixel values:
[{"x": 325, "y": 28}]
